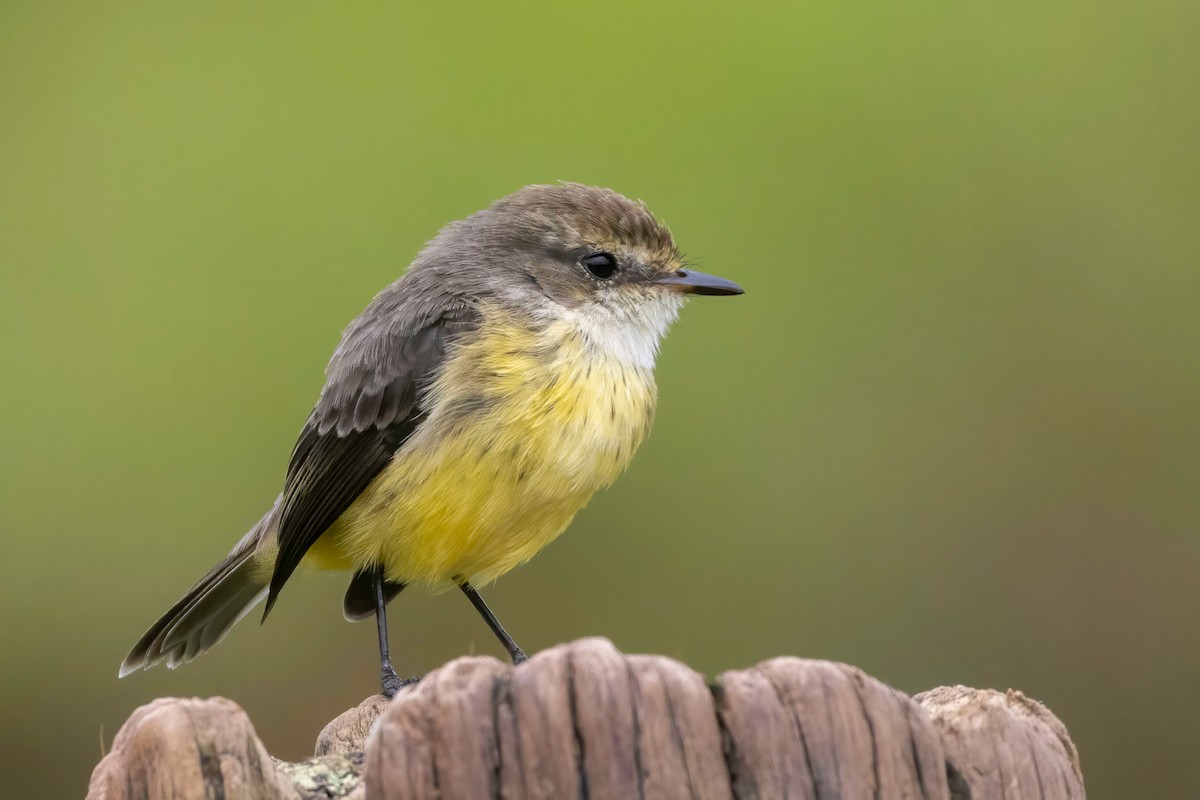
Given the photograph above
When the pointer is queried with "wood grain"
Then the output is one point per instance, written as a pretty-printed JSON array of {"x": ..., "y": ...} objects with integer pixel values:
[
  {"x": 1003, "y": 745},
  {"x": 583, "y": 720}
]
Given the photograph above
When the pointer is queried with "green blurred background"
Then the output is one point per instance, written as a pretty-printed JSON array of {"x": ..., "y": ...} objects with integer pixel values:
[{"x": 950, "y": 434}]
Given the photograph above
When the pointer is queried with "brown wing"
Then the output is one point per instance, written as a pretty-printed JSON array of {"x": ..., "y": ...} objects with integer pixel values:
[{"x": 370, "y": 406}]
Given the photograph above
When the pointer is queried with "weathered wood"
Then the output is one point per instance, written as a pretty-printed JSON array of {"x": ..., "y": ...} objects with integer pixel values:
[
  {"x": 189, "y": 749},
  {"x": 817, "y": 729},
  {"x": 679, "y": 738},
  {"x": 348, "y": 731},
  {"x": 1003, "y": 745},
  {"x": 583, "y": 720}
]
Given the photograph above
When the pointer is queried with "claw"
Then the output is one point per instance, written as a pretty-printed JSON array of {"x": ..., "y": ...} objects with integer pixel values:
[{"x": 392, "y": 684}]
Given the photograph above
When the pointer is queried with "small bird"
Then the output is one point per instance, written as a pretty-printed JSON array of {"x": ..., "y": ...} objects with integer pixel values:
[{"x": 469, "y": 413}]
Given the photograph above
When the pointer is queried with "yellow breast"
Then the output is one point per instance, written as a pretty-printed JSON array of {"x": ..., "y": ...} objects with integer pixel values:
[{"x": 524, "y": 426}]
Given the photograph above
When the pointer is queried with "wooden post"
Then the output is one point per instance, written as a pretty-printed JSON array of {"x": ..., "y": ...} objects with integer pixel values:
[{"x": 582, "y": 720}]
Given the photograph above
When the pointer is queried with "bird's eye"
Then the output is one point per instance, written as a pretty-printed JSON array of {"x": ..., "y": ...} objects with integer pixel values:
[{"x": 602, "y": 265}]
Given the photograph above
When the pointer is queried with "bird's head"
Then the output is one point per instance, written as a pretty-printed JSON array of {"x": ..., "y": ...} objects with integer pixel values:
[{"x": 585, "y": 253}]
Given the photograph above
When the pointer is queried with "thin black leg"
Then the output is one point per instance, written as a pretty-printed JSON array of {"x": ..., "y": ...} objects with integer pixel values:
[
  {"x": 514, "y": 652},
  {"x": 389, "y": 681}
]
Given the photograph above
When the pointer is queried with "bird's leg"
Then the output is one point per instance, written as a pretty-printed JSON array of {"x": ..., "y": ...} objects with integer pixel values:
[
  {"x": 390, "y": 682},
  {"x": 514, "y": 652}
]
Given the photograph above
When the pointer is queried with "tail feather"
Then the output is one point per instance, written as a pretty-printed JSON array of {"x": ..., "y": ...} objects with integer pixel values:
[
  {"x": 203, "y": 616},
  {"x": 360, "y": 601}
]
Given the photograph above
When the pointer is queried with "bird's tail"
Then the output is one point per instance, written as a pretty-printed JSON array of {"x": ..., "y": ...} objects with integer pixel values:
[{"x": 205, "y": 614}]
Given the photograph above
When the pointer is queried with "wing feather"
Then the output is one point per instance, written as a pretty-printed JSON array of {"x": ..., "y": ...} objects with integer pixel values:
[{"x": 370, "y": 406}]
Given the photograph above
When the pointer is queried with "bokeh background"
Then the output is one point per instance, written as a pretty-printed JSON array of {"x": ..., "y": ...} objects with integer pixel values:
[{"x": 950, "y": 434}]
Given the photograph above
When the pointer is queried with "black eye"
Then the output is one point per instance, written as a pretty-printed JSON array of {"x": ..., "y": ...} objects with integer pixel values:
[{"x": 602, "y": 265}]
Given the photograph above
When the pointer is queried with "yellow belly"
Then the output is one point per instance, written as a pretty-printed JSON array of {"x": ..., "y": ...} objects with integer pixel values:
[{"x": 523, "y": 429}]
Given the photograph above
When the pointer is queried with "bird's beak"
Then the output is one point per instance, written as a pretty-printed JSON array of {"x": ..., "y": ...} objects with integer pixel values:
[{"x": 691, "y": 282}]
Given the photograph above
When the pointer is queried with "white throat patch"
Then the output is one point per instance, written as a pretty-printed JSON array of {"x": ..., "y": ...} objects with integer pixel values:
[{"x": 630, "y": 335}]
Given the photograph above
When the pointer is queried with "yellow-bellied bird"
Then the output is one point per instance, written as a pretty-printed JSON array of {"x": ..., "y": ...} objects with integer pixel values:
[{"x": 470, "y": 412}]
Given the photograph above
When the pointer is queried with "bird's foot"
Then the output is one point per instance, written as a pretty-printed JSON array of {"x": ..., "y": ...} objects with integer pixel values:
[{"x": 391, "y": 683}]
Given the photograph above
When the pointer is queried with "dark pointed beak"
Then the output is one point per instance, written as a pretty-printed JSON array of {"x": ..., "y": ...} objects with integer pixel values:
[{"x": 692, "y": 282}]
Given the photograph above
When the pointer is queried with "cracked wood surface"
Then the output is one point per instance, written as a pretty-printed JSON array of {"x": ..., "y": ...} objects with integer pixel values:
[{"x": 582, "y": 720}]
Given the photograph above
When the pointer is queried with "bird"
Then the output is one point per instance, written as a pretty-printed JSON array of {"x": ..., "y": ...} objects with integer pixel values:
[{"x": 469, "y": 412}]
